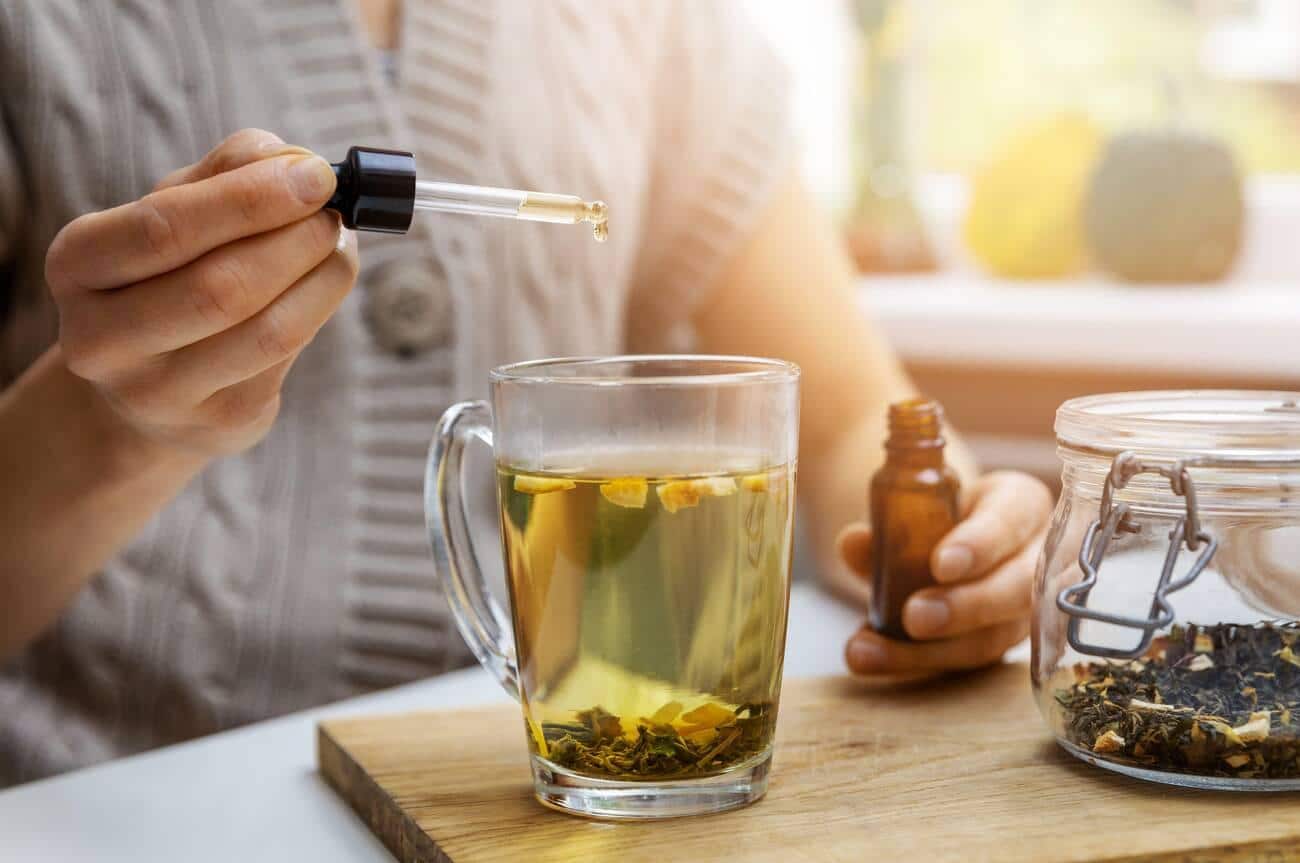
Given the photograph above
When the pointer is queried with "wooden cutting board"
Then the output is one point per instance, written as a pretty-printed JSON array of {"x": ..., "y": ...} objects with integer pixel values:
[{"x": 962, "y": 771}]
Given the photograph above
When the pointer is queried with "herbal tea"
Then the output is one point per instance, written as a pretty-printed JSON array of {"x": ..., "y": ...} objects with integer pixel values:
[
  {"x": 650, "y": 613},
  {"x": 1210, "y": 700}
]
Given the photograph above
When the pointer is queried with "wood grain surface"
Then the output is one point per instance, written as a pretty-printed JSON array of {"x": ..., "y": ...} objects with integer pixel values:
[{"x": 963, "y": 771}]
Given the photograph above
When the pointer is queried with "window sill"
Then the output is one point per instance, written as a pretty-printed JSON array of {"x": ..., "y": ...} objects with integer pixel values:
[{"x": 1234, "y": 330}]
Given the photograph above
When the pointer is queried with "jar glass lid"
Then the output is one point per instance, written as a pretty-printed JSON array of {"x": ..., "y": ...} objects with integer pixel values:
[{"x": 1223, "y": 426}]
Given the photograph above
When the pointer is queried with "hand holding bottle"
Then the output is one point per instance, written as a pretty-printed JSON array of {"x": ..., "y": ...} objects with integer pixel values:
[
  {"x": 186, "y": 308},
  {"x": 984, "y": 568}
]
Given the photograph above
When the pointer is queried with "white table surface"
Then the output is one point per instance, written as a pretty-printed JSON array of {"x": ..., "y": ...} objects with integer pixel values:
[{"x": 253, "y": 794}]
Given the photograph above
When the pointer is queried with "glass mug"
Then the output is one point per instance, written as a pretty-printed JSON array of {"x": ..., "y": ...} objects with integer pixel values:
[{"x": 646, "y": 510}]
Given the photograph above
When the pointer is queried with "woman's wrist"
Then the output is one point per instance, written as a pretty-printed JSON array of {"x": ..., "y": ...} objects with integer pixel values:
[{"x": 110, "y": 448}]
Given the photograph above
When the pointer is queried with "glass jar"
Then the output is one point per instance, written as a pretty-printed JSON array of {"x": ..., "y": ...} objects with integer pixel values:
[{"x": 1165, "y": 641}]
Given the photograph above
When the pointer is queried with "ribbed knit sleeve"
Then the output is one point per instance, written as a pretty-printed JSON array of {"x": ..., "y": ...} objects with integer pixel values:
[
  {"x": 11, "y": 206},
  {"x": 11, "y": 183},
  {"x": 25, "y": 327},
  {"x": 722, "y": 144}
]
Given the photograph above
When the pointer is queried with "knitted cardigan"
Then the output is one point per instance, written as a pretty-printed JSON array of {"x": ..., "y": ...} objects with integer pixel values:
[{"x": 297, "y": 573}]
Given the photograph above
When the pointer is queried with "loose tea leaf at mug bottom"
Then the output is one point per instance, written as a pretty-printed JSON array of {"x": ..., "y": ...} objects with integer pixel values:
[
  {"x": 1219, "y": 700},
  {"x": 669, "y": 744}
]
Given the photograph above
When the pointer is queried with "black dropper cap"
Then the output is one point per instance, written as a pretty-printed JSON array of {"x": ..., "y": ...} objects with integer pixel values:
[{"x": 376, "y": 190}]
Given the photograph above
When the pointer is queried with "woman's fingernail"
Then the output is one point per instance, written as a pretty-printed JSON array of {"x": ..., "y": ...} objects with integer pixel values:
[
  {"x": 865, "y": 655},
  {"x": 926, "y": 616},
  {"x": 312, "y": 178},
  {"x": 952, "y": 563}
]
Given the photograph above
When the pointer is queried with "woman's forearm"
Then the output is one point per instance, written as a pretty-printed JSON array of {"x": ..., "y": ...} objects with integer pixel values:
[
  {"x": 75, "y": 486},
  {"x": 791, "y": 292}
]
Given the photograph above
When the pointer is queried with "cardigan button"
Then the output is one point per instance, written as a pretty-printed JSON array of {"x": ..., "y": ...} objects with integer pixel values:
[{"x": 407, "y": 307}]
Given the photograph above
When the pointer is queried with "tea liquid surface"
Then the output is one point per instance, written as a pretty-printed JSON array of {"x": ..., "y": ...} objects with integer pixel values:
[{"x": 650, "y": 612}]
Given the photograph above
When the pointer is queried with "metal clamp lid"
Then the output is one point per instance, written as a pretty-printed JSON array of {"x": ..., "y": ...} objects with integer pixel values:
[{"x": 1115, "y": 519}]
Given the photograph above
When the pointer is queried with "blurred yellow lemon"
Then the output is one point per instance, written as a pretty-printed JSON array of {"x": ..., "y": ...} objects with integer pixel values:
[{"x": 1025, "y": 219}]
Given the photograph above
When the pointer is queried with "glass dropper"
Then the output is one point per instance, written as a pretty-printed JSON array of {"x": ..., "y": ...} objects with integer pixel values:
[
  {"x": 378, "y": 191},
  {"x": 511, "y": 204}
]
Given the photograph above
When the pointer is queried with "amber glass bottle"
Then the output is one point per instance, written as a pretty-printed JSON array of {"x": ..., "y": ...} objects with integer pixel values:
[{"x": 913, "y": 504}]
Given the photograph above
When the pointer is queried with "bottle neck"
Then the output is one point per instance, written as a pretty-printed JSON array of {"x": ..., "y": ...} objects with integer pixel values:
[
  {"x": 915, "y": 434},
  {"x": 924, "y": 457}
]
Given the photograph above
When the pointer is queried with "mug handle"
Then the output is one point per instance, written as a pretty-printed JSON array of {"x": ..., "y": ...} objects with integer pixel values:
[{"x": 482, "y": 622}]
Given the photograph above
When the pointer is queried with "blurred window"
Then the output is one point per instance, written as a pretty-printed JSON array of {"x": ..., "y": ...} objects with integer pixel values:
[
  {"x": 933, "y": 89},
  {"x": 979, "y": 70},
  {"x": 982, "y": 68}
]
